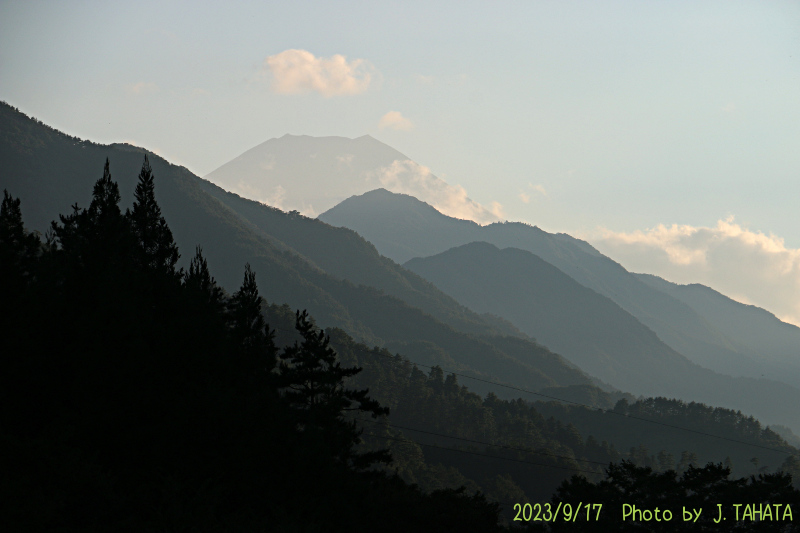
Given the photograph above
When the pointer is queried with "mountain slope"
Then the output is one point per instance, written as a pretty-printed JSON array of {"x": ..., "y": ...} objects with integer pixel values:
[
  {"x": 402, "y": 227},
  {"x": 344, "y": 254},
  {"x": 590, "y": 329},
  {"x": 287, "y": 172},
  {"x": 49, "y": 170},
  {"x": 763, "y": 344},
  {"x": 584, "y": 326}
]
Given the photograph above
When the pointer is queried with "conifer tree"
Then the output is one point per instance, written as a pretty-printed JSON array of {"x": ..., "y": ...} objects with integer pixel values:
[
  {"x": 153, "y": 237},
  {"x": 105, "y": 198},
  {"x": 98, "y": 232},
  {"x": 247, "y": 325},
  {"x": 201, "y": 284},
  {"x": 18, "y": 248},
  {"x": 313, "y": 383}
]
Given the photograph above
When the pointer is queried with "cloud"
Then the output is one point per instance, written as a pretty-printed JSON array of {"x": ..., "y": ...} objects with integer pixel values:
[
  {"x": 746, "y": 265},
  {"x": 395, "y": 121},
  {"x": 345, "y": 159},
  {"x": 143, "y": 88},
  {"x": 299, "y": 71},
  {"x": 267, "y": 162},
  {"x": 496, "y": 208},
  {"x": 526, "y": 197},
  {"x": 408, "y": 177}
]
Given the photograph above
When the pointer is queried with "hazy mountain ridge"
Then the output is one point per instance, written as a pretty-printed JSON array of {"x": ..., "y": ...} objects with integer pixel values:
[
  {"x": 403, "y": 227},
  {"x": 588, "y": 328},
  {"x": 48, "y": 170},
  {"x": 407, "y": 226},
  {"x": 763, "y": 344},
  {"x": 591, "y": 330},
  {"x": 309, "y": 174},
  {"x": 344, "y": 254}
]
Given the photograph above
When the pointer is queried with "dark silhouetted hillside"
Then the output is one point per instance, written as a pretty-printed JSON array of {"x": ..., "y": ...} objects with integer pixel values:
[{"x": 49, "y": 170}]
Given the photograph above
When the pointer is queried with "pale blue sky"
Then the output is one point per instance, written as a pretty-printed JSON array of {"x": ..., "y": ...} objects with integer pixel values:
[{"x": 628, "y": 114}]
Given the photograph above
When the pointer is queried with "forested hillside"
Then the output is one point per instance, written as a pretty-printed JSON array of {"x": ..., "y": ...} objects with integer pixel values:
[
  {"x": 157, "y": 402},
  {"x": 657, "y": 356},
  {"x": 136, "y": 395},
  {"x": 50, "y": 170}
]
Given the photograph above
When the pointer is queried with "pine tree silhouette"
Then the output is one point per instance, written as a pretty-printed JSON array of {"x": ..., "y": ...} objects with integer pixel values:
[
  {"x": 201, "y": 285},
  {"x": 96, "y": 234},
  {"x": 313, "y": 383},
  {"x": 18, "y": 248},
  {"x": 249, "y": 330},
  {"x": 158, "y": 250},
  {"x": 105, "y": 198}
]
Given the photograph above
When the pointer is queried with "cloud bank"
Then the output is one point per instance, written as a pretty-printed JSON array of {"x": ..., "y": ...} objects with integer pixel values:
[
  {"x": 408, "y": 177},
  {"x": 749, "y": 266},
  {"x": 394, "y": 120},
  {"x": 299, "y": 71}
]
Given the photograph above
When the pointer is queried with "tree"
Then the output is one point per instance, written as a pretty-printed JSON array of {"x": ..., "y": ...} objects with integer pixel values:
[
  {"x": 105, "y": 199},
  {"x": 201, "y": 285},
  {"x": 98, "y": 234},
  {"x": 313, "y": 385},
  {"x": 153, "y": 237},
  {"x": 247, "y": 325},
  {"x": 18, "y": 248}
]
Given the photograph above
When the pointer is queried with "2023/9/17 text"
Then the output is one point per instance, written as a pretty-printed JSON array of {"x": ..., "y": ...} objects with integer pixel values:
[{"x": 544, "y": 512}]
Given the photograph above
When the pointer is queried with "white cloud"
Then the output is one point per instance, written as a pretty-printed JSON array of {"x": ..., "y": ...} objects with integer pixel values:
[
  {"x": 496, "y": 208},
  {"x": 746, "y": 265},
  {"x": 267, "y": 163},
  {"x": 299, "y": 71},
  {"x": 526, "y": 197},
  {"x": 143, "y": 88},
  {"x": 345, "y": 159},
  {"x": 275, "y": 197},
  {"x": 396, "y": 121},
  {"x": 408, "y": 177}
]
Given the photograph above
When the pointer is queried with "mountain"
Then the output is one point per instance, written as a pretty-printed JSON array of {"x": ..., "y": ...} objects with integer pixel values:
[
  {"x": 312, "y": 174},
  {"x": 586, "y": 327},
  {"x": 299, "y": 261},
  {"x": 590, "y": 329},
  {"x": 402, "y": 227},
  {"x": 764, "y": 344}
]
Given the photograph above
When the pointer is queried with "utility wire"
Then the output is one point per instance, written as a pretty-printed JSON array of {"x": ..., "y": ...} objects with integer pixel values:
[
  {"x": 504, "y": 446},
  {"x": 484, "y": 455},
  {"x": 599, "y": 409}
]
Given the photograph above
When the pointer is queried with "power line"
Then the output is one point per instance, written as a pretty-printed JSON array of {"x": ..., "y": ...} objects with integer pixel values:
[
  {"x": 484, "y": 455},
  {"x": 599, "y": 409},
  {"x": 633, "y": 417},
  {"x": 504, "y": 446}
]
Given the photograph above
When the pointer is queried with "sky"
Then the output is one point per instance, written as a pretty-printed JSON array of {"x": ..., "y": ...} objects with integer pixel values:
[{"x": 664, "y": 133}]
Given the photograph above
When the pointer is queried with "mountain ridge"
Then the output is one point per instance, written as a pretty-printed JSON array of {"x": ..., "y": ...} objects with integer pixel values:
[{"x": 48, "y": 169}]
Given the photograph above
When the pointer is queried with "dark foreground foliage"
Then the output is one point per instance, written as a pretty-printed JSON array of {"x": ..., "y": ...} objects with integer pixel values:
[
  {"x": 138, "y": 397},
  {"x": 135, "y": 396}
]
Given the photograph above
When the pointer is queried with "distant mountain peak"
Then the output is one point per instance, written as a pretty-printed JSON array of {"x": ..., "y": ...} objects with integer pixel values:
[{"x": 312, "y": 174}]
